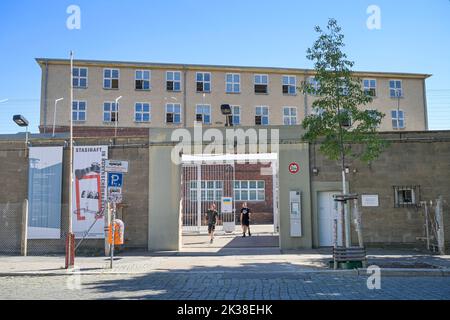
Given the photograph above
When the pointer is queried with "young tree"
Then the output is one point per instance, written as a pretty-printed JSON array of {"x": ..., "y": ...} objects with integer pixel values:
[{"x": 338, "y": 121}]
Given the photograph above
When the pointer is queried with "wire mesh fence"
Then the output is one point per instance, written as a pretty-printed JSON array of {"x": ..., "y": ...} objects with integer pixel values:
[{"x": 20, "y": 235}]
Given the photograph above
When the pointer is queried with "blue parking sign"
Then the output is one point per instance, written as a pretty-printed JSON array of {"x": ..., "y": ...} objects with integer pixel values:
[{"x": 115, "y": 179}]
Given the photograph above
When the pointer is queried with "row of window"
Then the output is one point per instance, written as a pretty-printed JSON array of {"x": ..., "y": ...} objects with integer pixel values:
[
  {"x": 232, "y": 80},
  {"x": 173, "y": 111},
  {"x": 244, "y": 190}
]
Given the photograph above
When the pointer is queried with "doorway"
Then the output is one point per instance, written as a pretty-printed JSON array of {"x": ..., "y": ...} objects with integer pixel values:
[
  {"x": 213, "y": 179},
  {"x": 328, "y": 210}
]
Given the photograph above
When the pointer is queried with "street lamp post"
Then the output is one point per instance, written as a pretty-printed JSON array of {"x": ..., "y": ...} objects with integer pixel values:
[
  {"x": 116, "y": 116},
  {"x": 21, "y": 121},
  {"x": 54, "y": 115}
]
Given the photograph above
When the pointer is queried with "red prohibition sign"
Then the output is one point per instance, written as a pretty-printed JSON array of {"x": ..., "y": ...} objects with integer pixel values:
[{"x": 294, "y": 168}]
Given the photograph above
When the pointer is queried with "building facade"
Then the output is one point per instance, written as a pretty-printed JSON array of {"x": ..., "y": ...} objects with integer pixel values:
[{"x": 178, "y": 95}]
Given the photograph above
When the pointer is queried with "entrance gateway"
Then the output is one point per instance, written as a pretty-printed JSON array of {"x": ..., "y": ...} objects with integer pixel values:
[
  {"x": 208, "y": 179},
  {"x": 166, "y": 209}
]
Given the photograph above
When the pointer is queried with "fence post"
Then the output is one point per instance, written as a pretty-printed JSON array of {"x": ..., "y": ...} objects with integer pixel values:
[
  {"x": 358, "y": 227},
  {"x": 24, "y": 240},
  {"x": 440, "y": 227},
  {"x": 107, "y": 218}
]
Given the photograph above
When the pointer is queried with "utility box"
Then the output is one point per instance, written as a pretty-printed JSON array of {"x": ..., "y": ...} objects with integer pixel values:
[{"x": 295, "y": 205}]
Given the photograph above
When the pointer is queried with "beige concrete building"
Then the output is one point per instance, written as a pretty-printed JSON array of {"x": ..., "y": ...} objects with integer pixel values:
[{"x": 176, "y": 95}]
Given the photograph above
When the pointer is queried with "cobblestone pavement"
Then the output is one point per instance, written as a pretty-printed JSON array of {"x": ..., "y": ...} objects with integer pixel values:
[{"x": 190, "y": 285}]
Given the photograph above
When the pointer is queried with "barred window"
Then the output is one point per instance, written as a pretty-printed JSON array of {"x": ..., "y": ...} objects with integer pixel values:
[{"x": 406, "y": 196}]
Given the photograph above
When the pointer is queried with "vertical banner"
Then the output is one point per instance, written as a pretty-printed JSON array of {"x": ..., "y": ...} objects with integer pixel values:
[
  {"x": 44, "y": 192},
  {"x": 89, "y": 191}
]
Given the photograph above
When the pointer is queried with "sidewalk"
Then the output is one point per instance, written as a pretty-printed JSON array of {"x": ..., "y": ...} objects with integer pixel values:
[{"x": 233, "y": 260}]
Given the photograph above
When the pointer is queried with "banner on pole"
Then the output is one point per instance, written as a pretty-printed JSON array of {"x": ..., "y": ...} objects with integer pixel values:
[
  {"x": 44, "y": 192},
  {"x": 89, "y": 191}
]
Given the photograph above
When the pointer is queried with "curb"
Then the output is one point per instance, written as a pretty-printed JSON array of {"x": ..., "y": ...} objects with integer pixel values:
[
  {"x": 389, "y": 272},
  {"x": 404, "y": 272}
]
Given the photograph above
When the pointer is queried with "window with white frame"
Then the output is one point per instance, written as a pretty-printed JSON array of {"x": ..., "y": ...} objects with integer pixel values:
[
  {"x": 203, "y": 81},
  {"x": 249, "y": 190},
  {"x": 110, "y": 112},
  {"x": 79, "y": 110},
  {"x": 370, "y": 87},
  {"x": 262, "y": 116},
  {"x": 395, "y": 88},
  {"x": 211, "y": 190},
  {"x": 142, "y": 79},
  {"x": 290, "y": 116},
  {"x": 173, "y": 113},
  {"x": 233, "y": 83},
  {"x": 261, "y": 83},
  {"x": 173, "y": 81},
  {"x": 142, "y": 112},
  {"x": 314, "y": 84},
  {"x": 236, "y": 115},
  {"x": 203, "y": 113},
  {"x": 290, "y": 85},
  {"x": 111, "y": 78},
  {"x": 80, "y": 77},
  {"x": 398, "y": 119}
]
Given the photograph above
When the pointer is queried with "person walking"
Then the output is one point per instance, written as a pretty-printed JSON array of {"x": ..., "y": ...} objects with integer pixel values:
[
  {"x": 212, "y": 216},
  {"x": 245, "y": 219}
]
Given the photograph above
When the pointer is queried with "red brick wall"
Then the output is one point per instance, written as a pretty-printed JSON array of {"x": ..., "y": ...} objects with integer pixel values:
[{"x": 262, "y": 211}]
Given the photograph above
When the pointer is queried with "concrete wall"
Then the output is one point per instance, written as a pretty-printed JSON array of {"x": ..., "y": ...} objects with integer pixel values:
[
  {"x": 412, "y": 159},
  {"x": 152, "y": 189},
  {"x": 14, "y": 169}
]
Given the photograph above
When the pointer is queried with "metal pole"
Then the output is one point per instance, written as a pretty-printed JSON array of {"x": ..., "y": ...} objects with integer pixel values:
[
  {"x": 26, "y": 137},
  {"x": 54, "y": 118},
  {"x": 24, "y": 243},
  {"x": 54, "y": 114},
  {"x": 427, "y": 226},
  {"x": 70, "y": 249},
  {"x": 440, "y": 228},
  {"x": 113, "y": 234},
  {"x": 106, "y": 228}
]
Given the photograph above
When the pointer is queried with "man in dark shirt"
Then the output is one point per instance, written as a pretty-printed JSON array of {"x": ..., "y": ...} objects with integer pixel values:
[
  {"x": 212, "y": 216},
  {"x": 245, "y": 219}
]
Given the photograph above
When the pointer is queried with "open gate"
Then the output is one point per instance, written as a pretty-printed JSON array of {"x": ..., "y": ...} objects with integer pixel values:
[{"x": 202, "y": 185}]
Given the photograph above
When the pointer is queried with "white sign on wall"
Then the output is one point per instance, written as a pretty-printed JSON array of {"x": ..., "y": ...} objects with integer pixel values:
[
  {"x": 227, "y": 205},
  {"x": 370, "y": 200}
]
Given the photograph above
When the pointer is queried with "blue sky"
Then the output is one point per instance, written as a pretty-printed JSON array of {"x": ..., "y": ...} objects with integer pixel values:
[{"x": 414, "y": 37}]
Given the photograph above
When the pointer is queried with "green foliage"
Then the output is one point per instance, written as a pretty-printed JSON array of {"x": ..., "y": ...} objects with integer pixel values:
[{"x": 338, "y": 120}]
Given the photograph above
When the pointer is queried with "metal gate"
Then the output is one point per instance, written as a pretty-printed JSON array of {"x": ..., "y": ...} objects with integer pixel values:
[{"x": 202, "y": 185}]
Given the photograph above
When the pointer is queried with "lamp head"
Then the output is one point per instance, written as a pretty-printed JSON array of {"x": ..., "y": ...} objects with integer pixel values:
[{"x": 20, "y": 120}]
